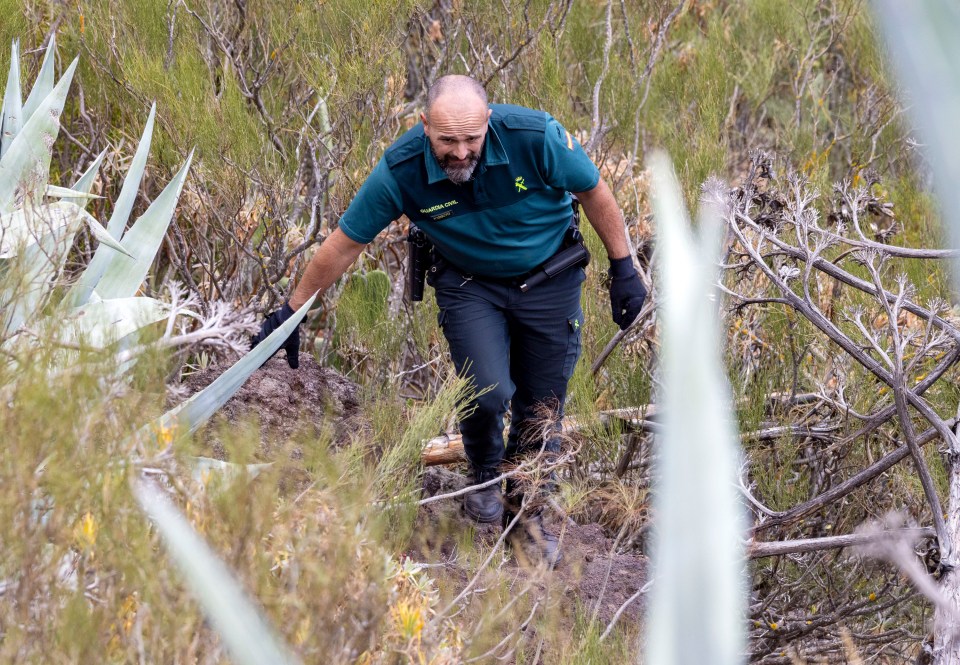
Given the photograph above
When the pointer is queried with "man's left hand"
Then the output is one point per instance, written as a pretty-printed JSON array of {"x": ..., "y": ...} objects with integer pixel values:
[{"x": 626, "y": 292}]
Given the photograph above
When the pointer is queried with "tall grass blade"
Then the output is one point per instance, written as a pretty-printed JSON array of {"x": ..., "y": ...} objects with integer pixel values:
[
  {"x": 11, "y": 115},
  {"x": 44, "y": 83},
  {"x": 697, "y": 607},
  {"x": 26, "y": 165},
  {"x": 82, "y": 289},
  {"x": 245, "y": 632},
  {"x": 191, "y": 414},
  {"x": 923, "y": 41},
  {"x": 124, "y": 275}
]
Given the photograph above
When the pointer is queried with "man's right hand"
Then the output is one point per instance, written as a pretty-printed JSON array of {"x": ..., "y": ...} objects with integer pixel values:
[
  {"x": 273, "y": 321},
  {"x": 627, "y": 292}
]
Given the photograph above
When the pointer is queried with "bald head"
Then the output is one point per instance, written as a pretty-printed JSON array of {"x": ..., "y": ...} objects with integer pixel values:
[
  {"x": 456, "y": 124},
  {"x": 456, "y": 87}
]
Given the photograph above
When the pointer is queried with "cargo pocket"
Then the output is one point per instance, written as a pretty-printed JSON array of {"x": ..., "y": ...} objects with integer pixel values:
[{"x": 574, "y": 331}]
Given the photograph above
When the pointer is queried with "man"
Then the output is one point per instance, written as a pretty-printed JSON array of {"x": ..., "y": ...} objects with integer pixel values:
[{"x": 490, "y": 185}]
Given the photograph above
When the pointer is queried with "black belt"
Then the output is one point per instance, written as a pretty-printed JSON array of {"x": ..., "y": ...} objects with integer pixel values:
[
  {"x": 502, "y": 281},
  {"x": 572, "y": 253}
]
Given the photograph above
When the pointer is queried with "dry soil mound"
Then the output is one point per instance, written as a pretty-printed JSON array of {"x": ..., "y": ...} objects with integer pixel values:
[{"x": 288, "y": 403}]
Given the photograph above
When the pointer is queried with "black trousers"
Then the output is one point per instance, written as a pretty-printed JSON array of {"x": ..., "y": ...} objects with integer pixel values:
[{"x": 521, "y": 348}]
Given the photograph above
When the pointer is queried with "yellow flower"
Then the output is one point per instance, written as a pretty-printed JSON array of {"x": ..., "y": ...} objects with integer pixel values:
[
  {"x": 164, "y": 435},
  {"x": 303, "y": 631},
  {"x": 408, "y": 618},
  {"x": 85, "y": 532},
  {"x": 872, "y": 597},
  {"x": 128, "y": 612},
  {"x": 774, "y": 625},
  {"x": 123, "y": 624}
]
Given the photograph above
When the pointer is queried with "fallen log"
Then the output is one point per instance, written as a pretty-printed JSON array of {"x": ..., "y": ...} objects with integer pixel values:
[{"x": 448, "y": 448}]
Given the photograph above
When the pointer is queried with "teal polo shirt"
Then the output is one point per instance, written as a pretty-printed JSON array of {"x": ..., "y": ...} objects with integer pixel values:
[{"x": 510, "y": 217}]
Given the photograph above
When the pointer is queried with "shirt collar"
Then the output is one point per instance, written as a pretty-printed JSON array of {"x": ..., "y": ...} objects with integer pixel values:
[{"x": 493, "y": 154}]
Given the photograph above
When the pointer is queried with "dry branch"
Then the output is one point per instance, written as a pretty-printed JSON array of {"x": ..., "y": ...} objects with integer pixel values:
[{"x": 758, "y": 550}]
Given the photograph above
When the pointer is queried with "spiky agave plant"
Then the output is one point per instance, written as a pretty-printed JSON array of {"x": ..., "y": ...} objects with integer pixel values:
[
  {"x": 37, "y": 233},
  {"x": 101, "y": 309}
]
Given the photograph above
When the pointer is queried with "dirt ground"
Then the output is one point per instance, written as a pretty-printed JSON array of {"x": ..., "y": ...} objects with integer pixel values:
[{"x": 309, "y": 401}]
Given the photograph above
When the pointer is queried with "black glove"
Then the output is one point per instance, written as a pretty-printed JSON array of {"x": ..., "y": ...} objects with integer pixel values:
[
  {"x": 626, "y": 291},
  {"x": 273, "y": 321}
]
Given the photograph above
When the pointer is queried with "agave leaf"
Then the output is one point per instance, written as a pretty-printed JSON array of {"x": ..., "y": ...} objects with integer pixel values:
[
  {"x": 11, "y": 115},
  {"x": 698, "y": 602},
  {"x": 14, "y": 233},
  {"x": 24, "y": 228},
  {"x": 102, "y": 323},
  {"x": 245, "y": 632},
  {"x": 187, "y": 417},
  {"x": 204, "y": 466},
  {"x": 25, "y": 166},
  {"x": 99, "y": 232},
  {"x": 31, "y": 275},
  {"x": 44, "y": 82},
  {"x": 35, "y": 244},
  {"x": 124, "y": 275},
  {"x": 82, "y": 289},
  {"x": 131, "y": 182},
  {"x": 923, "y": 44},
  {"x": 66, "y": 193},
  {"x": 85, "y": 182}
]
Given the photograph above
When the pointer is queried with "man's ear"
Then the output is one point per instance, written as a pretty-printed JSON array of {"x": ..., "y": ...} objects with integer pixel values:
[{"x": 426, "y": 126}]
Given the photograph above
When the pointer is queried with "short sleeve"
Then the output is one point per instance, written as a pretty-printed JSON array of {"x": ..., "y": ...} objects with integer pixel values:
[
  {"x": 566, "y": 165},
  {"x": 373, "y": 208}
]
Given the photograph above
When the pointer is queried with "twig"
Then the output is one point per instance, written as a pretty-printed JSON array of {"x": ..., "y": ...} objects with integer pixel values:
[
  {"x": 629, "y": 601},
  {"x": 596, "y": 126},
  {"x": 496, "y": 546},
  {"x": 618, "y": 337},
  {"x": 507, "y": 474}
]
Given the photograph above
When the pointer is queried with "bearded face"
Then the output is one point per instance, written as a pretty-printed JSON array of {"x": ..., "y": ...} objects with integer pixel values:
[
  {"x": 456, "y": 128},
  {"x": 458, "y": 170}
]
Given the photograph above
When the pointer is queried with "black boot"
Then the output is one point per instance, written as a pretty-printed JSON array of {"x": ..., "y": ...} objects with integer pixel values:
[
  {"x": 528, "y": 537},
  {"x": 540, "y": 541},
  {"x": 484, "y": 505},
  {"x": 530, "y": 540}
]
